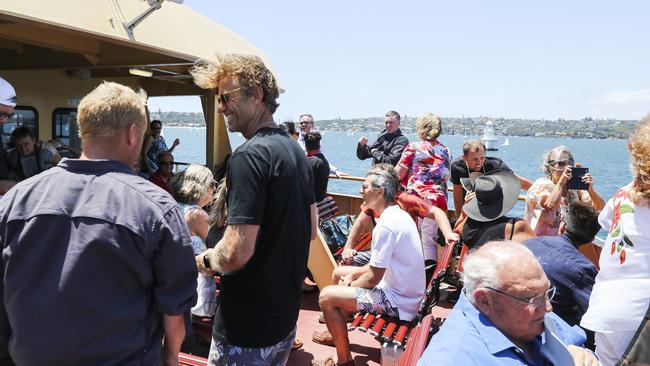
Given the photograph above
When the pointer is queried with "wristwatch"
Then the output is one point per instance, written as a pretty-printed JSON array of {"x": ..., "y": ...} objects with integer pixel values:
[{"x": 206, "y": 261}]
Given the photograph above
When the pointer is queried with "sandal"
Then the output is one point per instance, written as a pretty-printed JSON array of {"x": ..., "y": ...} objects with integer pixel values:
[
  {"x": 324, "y": 338},
  {"x": 348, "y": 319},
  {"x": 297, "y": 343}
]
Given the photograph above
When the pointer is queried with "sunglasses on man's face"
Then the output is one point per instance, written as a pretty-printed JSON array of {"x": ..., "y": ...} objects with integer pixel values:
[
  {"x": 223, "y": 98},
  {"x": 6, "y": 115}
]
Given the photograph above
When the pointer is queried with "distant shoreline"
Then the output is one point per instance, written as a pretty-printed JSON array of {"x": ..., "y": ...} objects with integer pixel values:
[{"x": 443, "y": 134}]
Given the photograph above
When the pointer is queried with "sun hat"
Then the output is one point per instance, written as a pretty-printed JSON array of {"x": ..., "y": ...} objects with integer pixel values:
[
  {"x": 468, "y": 183},
  {"x": 7, "y": 93},
  {"x": 496, "y": 193}
]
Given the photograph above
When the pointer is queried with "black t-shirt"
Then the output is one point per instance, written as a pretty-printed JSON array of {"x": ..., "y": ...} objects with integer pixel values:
[
  {"x": 270, "y": 184},
  {"x": 459, "y": 168},
  {"x": 321, "y": 169},
  {"x": 477, "y": 233}
]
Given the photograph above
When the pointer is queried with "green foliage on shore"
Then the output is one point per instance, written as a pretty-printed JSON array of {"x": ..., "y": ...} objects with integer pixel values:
[{"x": 470, "y": 126}]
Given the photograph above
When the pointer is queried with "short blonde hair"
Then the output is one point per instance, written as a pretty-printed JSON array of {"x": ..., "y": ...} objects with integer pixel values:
[
  {"x": 192, "y": 184},
  {"x": 249, "y": 70},
  {"x": 639, "y": 147},
  {"x": 110, "y": 108},
  {"x": 429, "y": 127}
]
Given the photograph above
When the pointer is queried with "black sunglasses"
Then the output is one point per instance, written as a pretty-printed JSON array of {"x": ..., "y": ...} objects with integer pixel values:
[
  {"x": 223, "y": 98},
  {"x": 6, "y": 115}
]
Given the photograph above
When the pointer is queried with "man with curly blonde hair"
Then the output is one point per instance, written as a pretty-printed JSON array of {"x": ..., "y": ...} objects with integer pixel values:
[
  {"x": 93, "y": 244},
  {"x": 271, "y": 219}
]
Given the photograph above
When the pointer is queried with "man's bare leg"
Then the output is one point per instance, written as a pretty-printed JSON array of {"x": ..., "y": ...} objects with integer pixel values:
[{"x": 335, "y": 302}]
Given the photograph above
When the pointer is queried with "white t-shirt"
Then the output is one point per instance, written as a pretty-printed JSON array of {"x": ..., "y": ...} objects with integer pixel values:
[
  {"x": 621, "y": 294},
  {"x": 396, "y": 246}
]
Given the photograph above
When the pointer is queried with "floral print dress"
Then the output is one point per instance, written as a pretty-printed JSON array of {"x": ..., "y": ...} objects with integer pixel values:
[
  {"x": 546, "y": 222},
  {"x": 428, "y": 165}
]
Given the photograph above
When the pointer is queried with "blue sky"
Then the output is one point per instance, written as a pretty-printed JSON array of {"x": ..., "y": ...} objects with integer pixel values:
[{"x": 359, "y": 58}]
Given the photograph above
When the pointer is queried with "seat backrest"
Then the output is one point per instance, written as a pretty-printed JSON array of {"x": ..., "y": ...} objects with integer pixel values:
[{"x": 327, "y": 209}]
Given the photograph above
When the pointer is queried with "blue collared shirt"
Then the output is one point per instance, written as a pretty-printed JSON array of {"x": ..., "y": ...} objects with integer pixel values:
[
  {"x": 469, "y": 338},
  {"x": 572, "y": 274}
]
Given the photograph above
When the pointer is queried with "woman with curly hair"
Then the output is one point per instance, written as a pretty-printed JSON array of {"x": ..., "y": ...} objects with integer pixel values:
[
  {"x": 424, "y": 166},
  {"x": 621, "y": 295},
  {"x": 548, "y": 198},
  {"x": 193, "y": 189}
]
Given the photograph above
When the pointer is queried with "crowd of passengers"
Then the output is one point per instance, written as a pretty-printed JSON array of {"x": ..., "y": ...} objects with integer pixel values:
[{"x": 527, "y": 287}]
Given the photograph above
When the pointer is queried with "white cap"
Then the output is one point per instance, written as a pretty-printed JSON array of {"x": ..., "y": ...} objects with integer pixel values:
[{"x": 7, "y": 93}]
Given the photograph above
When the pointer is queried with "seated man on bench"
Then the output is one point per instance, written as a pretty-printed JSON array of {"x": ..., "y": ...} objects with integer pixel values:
[
  {"x": 412, "y": 204},
  {"x": 393, "y": 283}
]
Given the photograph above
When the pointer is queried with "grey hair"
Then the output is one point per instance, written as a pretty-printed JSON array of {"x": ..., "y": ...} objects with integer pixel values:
[
  {"x": 546, "y": 168},
  {"x": 307, "y": 115},
  {"x": 384, "y": 178},
  {"x": 482, "y": 267},
  {"x": 192, "y": 184}
]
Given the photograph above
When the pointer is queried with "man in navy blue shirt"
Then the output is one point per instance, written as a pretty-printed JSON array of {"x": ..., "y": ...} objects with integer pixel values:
[
  {"x": 97, "y": 263},
  {"x": 571, "y": 273},
  {"x": 503, "y": 316}
]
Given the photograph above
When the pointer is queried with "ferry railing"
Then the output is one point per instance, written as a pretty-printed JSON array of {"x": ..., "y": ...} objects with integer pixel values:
[{"x": 521, "y": 197}]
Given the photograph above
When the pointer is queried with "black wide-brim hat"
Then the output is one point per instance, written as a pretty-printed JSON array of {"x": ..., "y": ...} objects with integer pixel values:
[{"x": 496, "y": 193}]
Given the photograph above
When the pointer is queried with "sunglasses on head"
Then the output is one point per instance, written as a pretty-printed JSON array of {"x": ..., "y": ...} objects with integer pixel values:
[{"x": 223, "y": 98}]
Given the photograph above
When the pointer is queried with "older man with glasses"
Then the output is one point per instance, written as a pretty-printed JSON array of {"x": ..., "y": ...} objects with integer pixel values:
[
  {"x": 7, "y": 105},
  {"x": 503, "y": 316}
]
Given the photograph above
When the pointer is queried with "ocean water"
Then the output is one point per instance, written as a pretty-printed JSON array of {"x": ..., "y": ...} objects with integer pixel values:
[{"x": 607, "y": 160}]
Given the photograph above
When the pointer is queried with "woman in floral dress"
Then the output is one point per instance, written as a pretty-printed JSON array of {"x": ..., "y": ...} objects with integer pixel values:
[
  {"x": 424, "y": 166},
  {"x": 548, "y": 198}
]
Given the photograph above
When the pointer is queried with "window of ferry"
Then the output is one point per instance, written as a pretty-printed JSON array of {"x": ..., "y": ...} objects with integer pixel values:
[
  {"x": 64, "y": 126},
  {"x": 23, "y": 116}
]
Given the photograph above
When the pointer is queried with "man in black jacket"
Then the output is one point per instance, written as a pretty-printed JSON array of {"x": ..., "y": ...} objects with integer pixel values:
[{"x": 389, "y": 145}]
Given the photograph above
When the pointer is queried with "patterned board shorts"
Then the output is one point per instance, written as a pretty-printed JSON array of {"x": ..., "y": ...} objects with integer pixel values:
[
  {"x": 224, "y": 354},
  {"x": 374, "y": 301}
]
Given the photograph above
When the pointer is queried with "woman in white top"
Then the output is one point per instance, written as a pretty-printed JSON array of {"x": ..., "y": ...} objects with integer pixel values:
[
  {"x": 621, "y": 295},
  {"x": 548, "y": 198}
]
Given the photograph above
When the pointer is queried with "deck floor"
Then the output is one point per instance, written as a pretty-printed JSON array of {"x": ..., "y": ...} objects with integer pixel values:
[{"x": 365, "y": 349}]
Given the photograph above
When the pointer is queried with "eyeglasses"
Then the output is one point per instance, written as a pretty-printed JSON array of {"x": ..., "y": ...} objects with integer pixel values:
[
  {"x": 560, "y": 163},
  {"x": 535, "y": 301},
  {"x": 305, "y": 123},
  {"x": 6, "y": 115},
  {"x": 223, "y": 98},
  {"x": 214, "y": 184}
]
